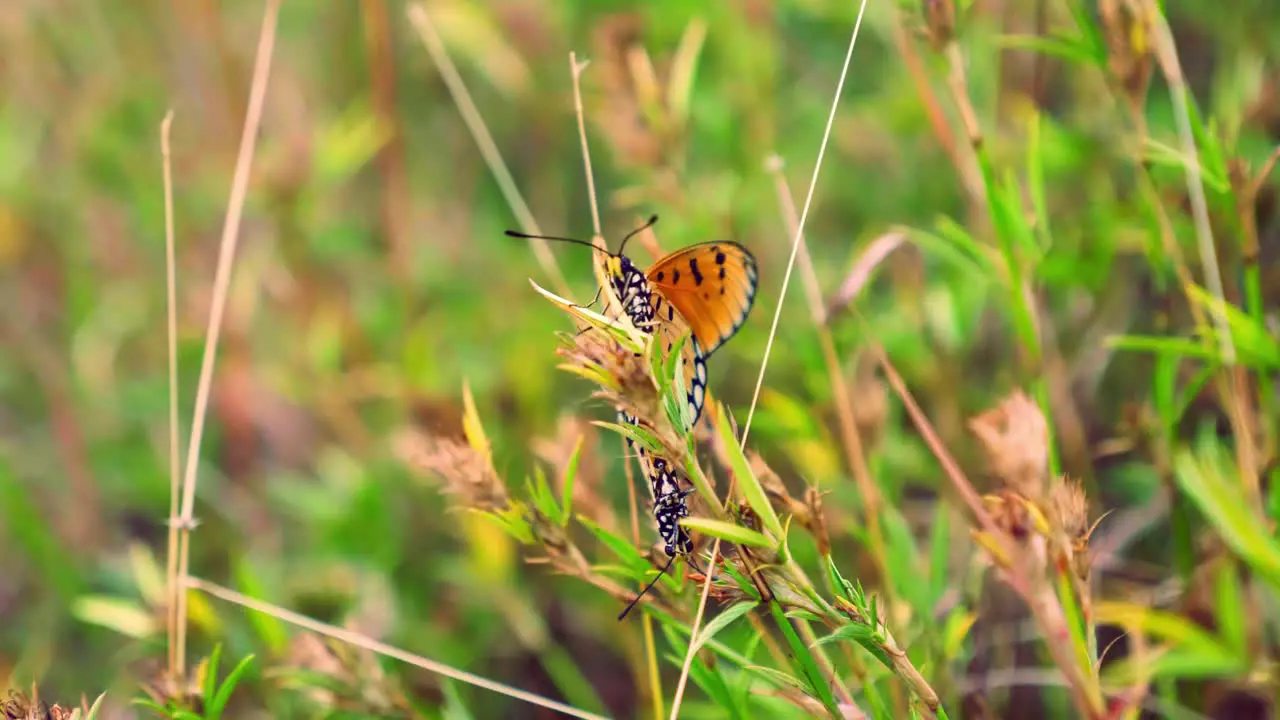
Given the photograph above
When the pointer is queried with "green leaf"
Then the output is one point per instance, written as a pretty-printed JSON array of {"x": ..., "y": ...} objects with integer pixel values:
[
  {"x": 543, "y": 498},
  {"x": 636, "y": 434},
  {"x": 747, "y": 482},
  {"x": 1222, "y": 502},
  {"x": 1090, "y": 36},
  {"x": 151, "y": 705},
  {"x": 903, "y": 556},
  {"x": 1183, "y": 347},
  {"x": 1162, "y": 154},
  {"x": 838, "y": 584},
  {"x": 95, "y": 707},
  {"x": 777, "y": 677},
  {"x": 1055, "y": 46},
  {"x": 1035, "y": 183},
  {"x": 214, "y": 708},
  {"x": 1230, "y": 609},
  {"x": 570, "y": 477},
  {"x": 210, "y": 680},
  {"x": 722, "y": 621},
  {"x": 270, "y": 631},
  {"x": 863, "y": 635},
  {"x": 511, "y": 519},
  {"x": 808, "y": 667},
  {"x": 1254, "y": 343},
  {"x": 728, "y": 531},
  {"x": 625, "y": 550},
  {"x": 957, "y": 237},
  {"x": 744, "y": 583},
  {"x": 712, "y": 682}
]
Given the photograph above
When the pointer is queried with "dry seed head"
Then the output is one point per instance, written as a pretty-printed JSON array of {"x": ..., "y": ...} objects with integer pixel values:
[
  {"x": 18, "y": 707},
  {"x": 464, "y": 473},
  {"x": 632, "y": 385},
  {"x": 1068, "y": 508},
  {"x": 1128, "y": 28},
  {"x": 1014, "y": 438},
  {"x": 939, "y": 21}
]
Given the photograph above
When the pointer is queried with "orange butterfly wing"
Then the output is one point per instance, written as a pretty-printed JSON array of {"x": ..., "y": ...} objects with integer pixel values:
[{"x": 712, "y": 285}]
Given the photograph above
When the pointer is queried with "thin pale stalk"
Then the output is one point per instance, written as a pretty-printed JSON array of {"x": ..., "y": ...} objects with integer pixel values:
[
  {"x": 175, "y": 457},
  {"x": 773, "y": 331},
  {"x": 221, "y": 290},
  {"x": 367, "y": 643},
  {"x": 854, "y": 452},
  {"x": 1234, "y": 391},
  {"x": 576, "y": 68},
  {"x": 484, "y": 141}
]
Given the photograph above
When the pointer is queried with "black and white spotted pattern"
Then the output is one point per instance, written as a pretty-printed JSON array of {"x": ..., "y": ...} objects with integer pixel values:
[
  {"x": 640, "y": 304},
  {"x": 632, "y": 290}
]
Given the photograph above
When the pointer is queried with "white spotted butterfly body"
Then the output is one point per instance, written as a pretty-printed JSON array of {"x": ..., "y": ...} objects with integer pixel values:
[{"x": 658, "y": 300}]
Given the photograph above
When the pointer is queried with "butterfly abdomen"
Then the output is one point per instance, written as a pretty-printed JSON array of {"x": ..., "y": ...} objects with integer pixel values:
[{"x": 668, "y": 507}]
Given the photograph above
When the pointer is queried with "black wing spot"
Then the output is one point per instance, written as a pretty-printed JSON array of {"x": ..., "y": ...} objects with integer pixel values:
[
  {"x": 693, "y": 266},
  {"x": 671, "y": 312},
  {"x": 722, "y": 290},
  {"x": 720, "y": 258},
  {"x": 658, "y": 277},
  {"x": 721, "y": 272}
]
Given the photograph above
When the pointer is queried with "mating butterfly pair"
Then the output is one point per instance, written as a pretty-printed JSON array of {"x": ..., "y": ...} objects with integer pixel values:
[{"x": 705, "y": 290}]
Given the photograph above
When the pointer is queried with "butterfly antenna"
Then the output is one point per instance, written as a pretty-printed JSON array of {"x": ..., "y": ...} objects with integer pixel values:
[
  {"x": 647, "y": 588},
  {"x": 652, "y": 219},
  {"x": 574, "y": 241}
]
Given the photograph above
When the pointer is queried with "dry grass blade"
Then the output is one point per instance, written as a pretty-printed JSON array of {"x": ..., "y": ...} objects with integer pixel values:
[
  {"x": 1235, "y": 389},
  {"x": 221, "y": 287},
  {"x": 171, "y": 558},
  {"x": 773, "y": 331},
  {"x": 484, "y": 141},
  {"x": 367, "y": 643},
  {"x": 860, "y": 274}
]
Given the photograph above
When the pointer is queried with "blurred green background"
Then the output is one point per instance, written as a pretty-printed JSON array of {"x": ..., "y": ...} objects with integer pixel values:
[{"x": 373, "y": 280}]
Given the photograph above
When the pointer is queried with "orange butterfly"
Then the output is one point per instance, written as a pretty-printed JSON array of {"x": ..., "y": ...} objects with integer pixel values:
[{"x": 705, "y": 289}]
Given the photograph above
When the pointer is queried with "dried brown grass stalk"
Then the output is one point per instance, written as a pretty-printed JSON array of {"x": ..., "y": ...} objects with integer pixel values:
[{"x": 222, "y": 283}]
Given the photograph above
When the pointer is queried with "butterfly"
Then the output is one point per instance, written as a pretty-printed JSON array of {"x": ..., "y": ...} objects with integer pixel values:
[{"x": 706, "y": 290}]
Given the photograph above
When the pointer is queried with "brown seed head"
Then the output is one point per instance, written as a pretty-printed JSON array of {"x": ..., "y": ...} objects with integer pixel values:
[
  {"x": 1068, "y": 508},
  {"x": 1014, "y": 437},
  {"x": 1128, "y": 28},
  {"x": 463, "y": 473}
]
